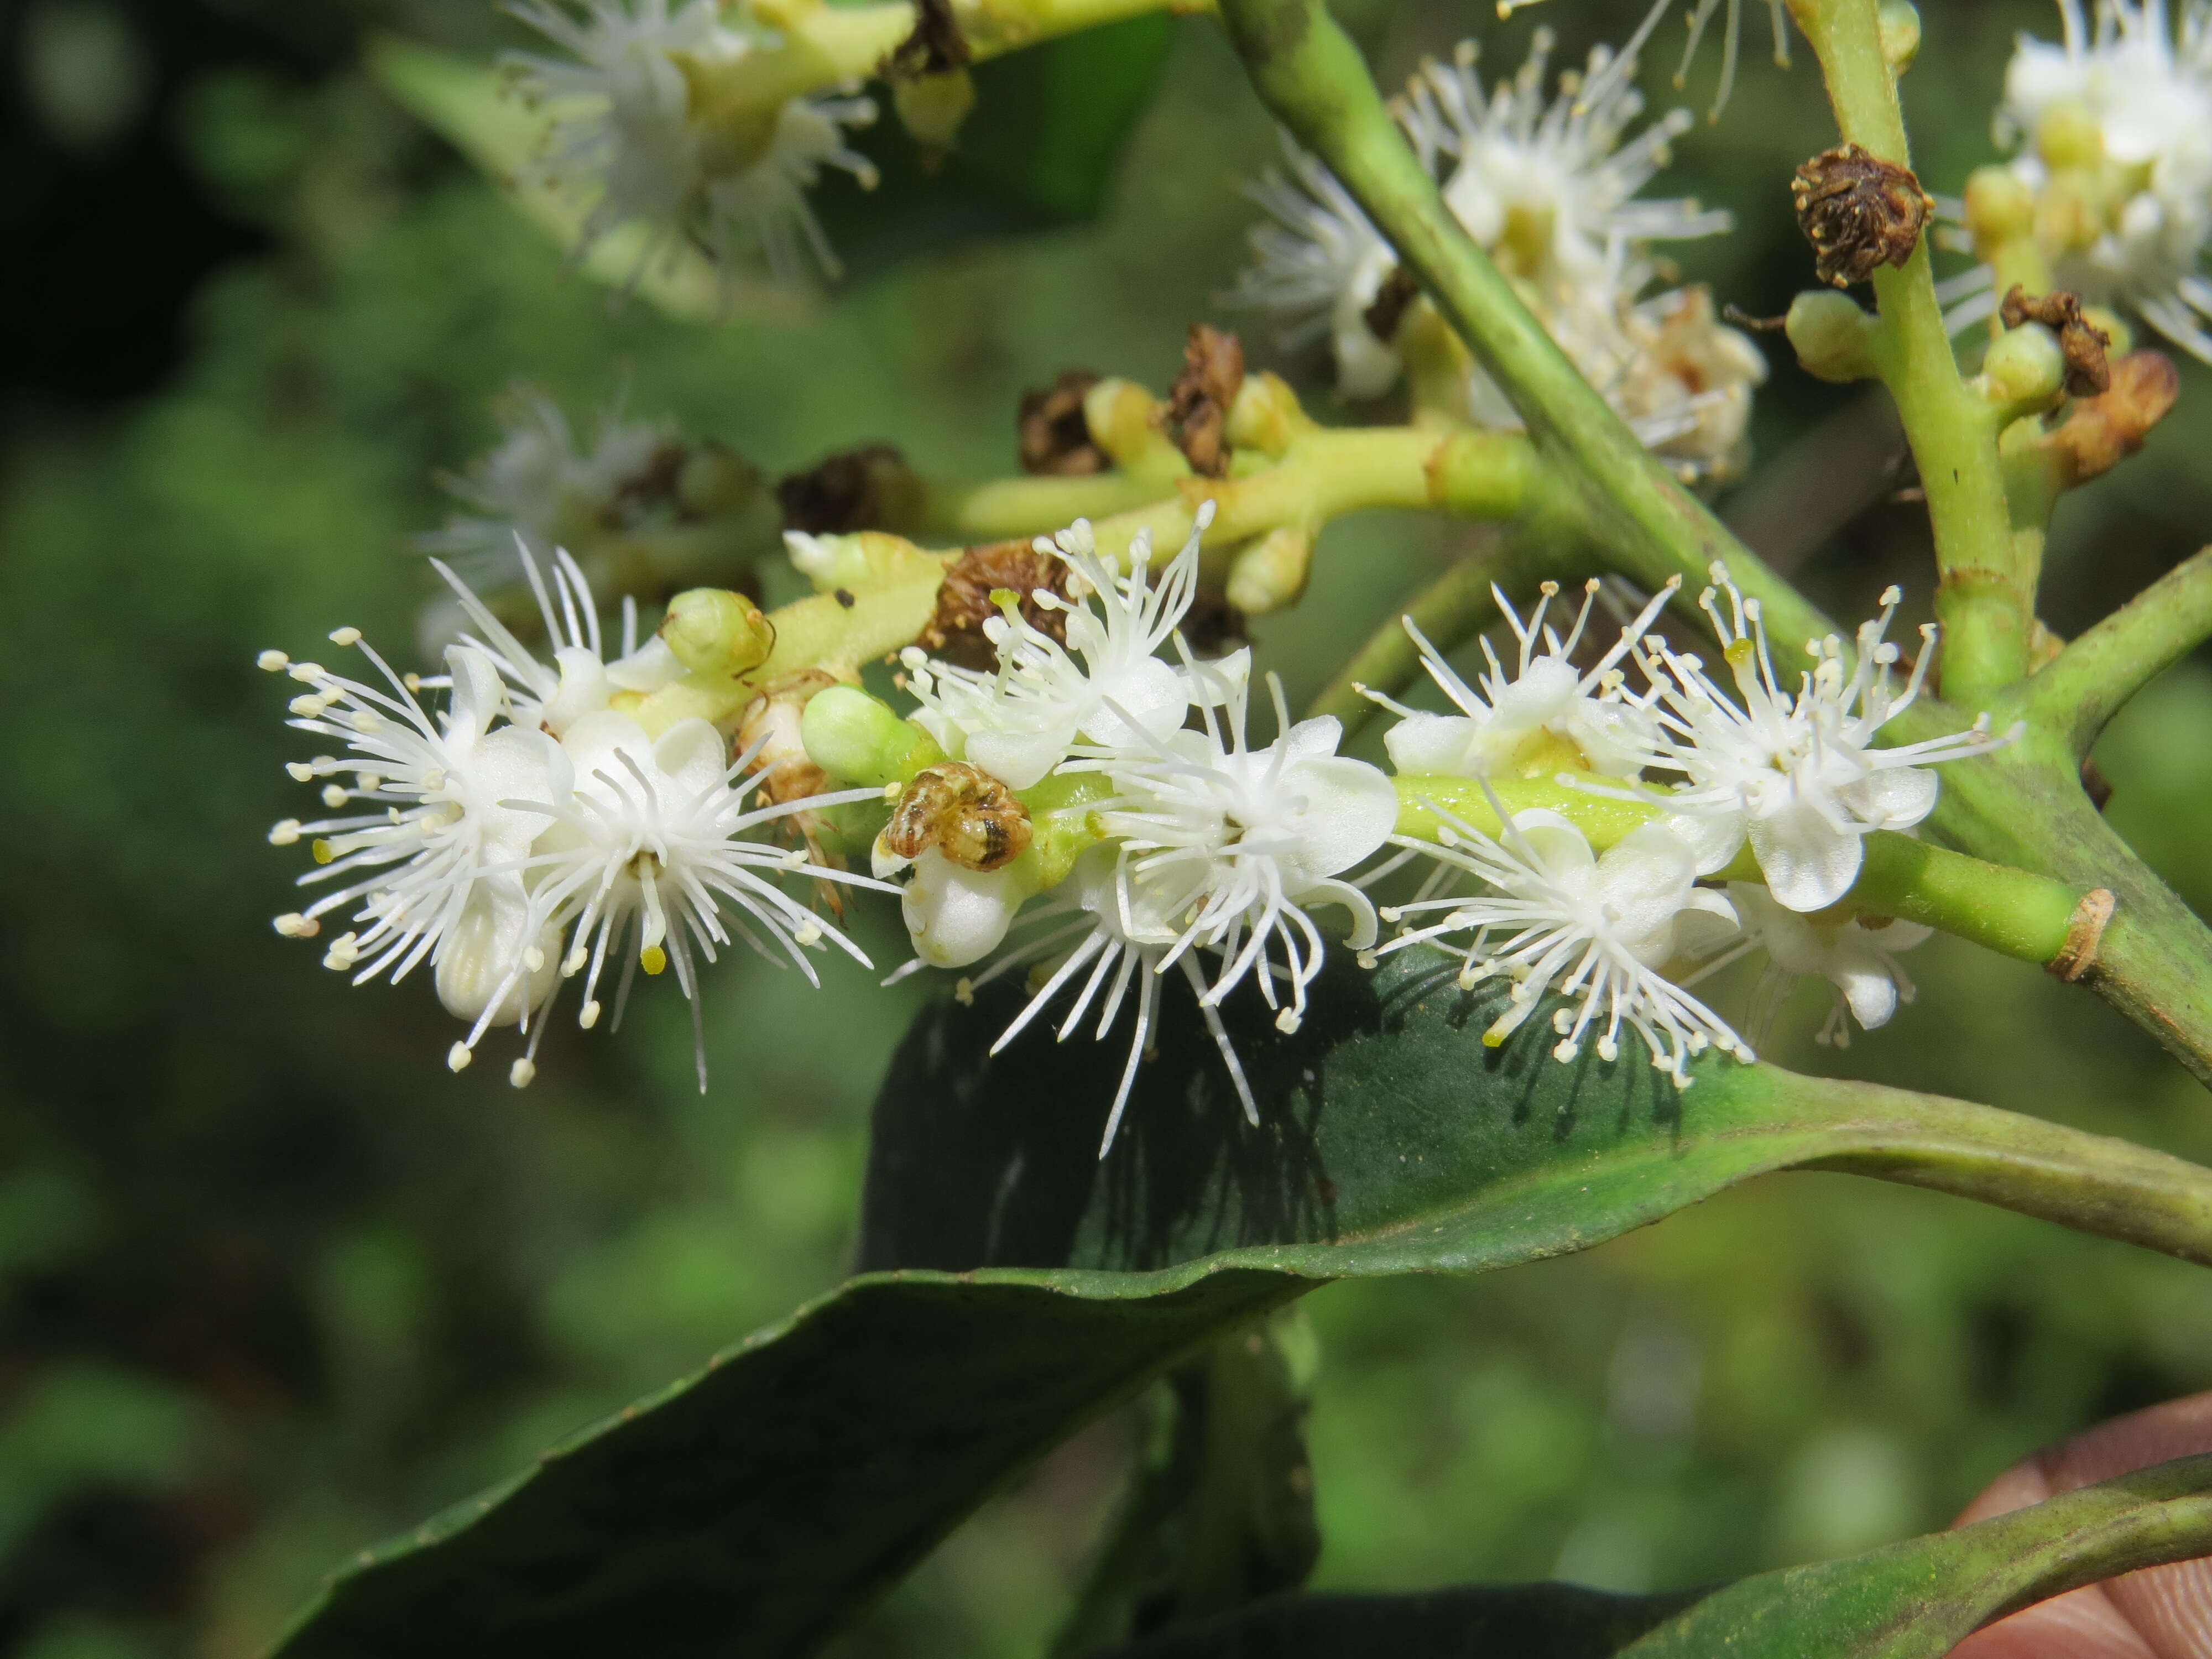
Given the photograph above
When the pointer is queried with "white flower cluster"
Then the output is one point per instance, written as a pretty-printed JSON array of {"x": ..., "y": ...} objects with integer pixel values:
[
  {"x": 533, "y": 825},
  {"x": 636, "y": 125},
  {"x": 2111, "y": 130},
  {"x": 1547, "y": 183},
  {"x": 1792, "y": 774},
  {"x": 1217, "y": 852}
]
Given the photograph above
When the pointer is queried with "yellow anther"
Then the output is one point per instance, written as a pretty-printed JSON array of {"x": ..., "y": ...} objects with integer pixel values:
[{"x": 653, "y": 958}]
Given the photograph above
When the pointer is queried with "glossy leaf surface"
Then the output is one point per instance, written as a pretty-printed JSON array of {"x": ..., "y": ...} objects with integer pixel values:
[{"x": 1022, "y": 1288}]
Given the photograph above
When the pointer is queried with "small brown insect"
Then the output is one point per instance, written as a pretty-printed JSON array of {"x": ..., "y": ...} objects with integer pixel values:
[
  {"x": 1859, "y": 211},
  {"x": 964, "y": 812},
  {"x": 965, "y": 601}
]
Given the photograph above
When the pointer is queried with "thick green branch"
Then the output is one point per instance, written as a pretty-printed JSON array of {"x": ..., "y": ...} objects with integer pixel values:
[
  {"x": 1986, "y": 596},
  {"x": 2094, "y": 678},
  {"x": 1311, "y": 75}
]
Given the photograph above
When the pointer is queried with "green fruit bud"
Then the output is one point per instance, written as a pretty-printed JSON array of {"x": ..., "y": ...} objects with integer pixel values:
[
  {"x": 1270, "y": 572},
  {"x": 932, "y": 106},
  {"x": 717, "y": 633},
  {"x": 851, "y": 735},
  {"x": 716, "y": 480},
  {"x": 1900, "y": 35},
  {"x": 1832, "y": 335},
  {"x": 2024, "y": 370}
]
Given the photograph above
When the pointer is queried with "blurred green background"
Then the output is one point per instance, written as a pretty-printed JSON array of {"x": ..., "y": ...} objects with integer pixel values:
[{"x": 278, "y": 1284}]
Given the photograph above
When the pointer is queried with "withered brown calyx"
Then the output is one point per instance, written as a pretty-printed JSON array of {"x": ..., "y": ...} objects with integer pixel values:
[
  {"x": 935, "y": 46},
  {"x": 955, "y": 630},
  {"x": 1054, "y": 436},
  {"x": 964, "y": 812},
  {"x": 870, "y": 487},
  {"x": 2087, "y": 372},
  {"x": 1197, "y": 414},
  {"x": 1859, "y": 211}
]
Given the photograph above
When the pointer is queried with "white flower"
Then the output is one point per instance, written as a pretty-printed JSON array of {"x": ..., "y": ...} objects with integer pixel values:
[
  {"x": 489, "y": 840},
  {"x": 1523, "y": 716},
  {"x": 1797, "y": 773},
  {"x": 1546, "y": 182},
  {"x": 537, "y": 478},
  {"x": 1560, "y": 919},
  {"x": 733, "y": 181},
  {"x": 436, "y": 865},
  {"x": 1859, "y": 959},
  {"x": 1319, "y": 268},
  {"x": 1244, "y": 842},
  {"x": 1106, "y": 685},
  {"x": 647, "y": 857},
  {"x": 2114, "y": 126},
  {"x": 1122, "y": 930},
  {"x": 579, "y": 680}
]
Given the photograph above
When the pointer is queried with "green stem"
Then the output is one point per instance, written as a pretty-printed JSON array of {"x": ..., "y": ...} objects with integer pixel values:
[
  {"x": 1450, "y": 610},
  {"x": 1312, "y": 77},
  {"x": 2093, "y": 1183},
  {"x": 2024, "y": 804},
  {"x": 1986, "y": 597},
  {"x": 1002, "y": 510},
  {"x": 1326, "y": 473},
  {"x": 2089, "y": 681}
]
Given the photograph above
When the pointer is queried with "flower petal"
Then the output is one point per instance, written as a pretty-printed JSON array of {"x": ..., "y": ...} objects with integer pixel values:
[{"x": 1808, "y": 864}]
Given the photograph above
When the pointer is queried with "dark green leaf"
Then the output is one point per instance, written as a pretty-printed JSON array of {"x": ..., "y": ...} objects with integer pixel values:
[
  {"x": 1916, "y": 1600},
  {"x": 773, "y": 1494},
  {"x": 1472, "y": 1621}
]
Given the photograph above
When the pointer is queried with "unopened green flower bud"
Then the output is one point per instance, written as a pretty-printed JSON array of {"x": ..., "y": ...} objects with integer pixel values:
[
  {"x": 932, "y": 106},
  {"x": 716, "y": 480},
  {"x": 1832, "y": 335},
  {"x": 853, "y": 736},
  {"x": 1900, "y": 35},
  {"x": 2023, "y": 372},
  {"x": 2000, "y": 207},
  {"x": 717, "y": 633},
  {"x": 1270, "y": 572},
  {"x": 2070, "y": 136}
]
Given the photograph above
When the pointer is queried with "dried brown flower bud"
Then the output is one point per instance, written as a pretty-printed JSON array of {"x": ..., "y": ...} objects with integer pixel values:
[
  {"x": 1054, "y": 437},
  {"x": 1197, "y": 409},
  {"x": 1392, "y": 300},
  {"x": 964, "y": 601},
  {"x": 2099, "y": 433},
  {"x": 2087, "y": 374},
  {"x": 1859, "y": 211},
  {"x": 935, "y": 46},
  {"x": 870, "y": 487},
  {"x": 964, "y": 812}
]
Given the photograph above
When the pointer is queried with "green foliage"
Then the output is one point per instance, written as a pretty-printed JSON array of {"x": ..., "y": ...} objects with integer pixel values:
[
  {"x": 240, "y": 1184},
  {"x": 1916, "y": 1600},
  {"x": 777, "y": 1491}
]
